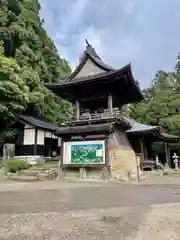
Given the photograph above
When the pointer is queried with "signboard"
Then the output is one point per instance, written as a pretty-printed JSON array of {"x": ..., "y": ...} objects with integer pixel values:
[{"x": 84, "y": 152}]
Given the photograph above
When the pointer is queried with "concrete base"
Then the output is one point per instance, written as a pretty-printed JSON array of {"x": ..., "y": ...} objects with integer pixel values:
[{"x": 105, "y": 173}]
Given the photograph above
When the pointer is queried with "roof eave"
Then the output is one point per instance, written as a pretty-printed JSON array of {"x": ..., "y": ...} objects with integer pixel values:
[
  {"x": 143, "y": 131},
  {"x": 169, "y": 137},
  {"x": 141, "y": 97}
]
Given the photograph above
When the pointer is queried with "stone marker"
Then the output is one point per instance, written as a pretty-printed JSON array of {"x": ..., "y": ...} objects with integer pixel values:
[{"x": 176, "y": 161}]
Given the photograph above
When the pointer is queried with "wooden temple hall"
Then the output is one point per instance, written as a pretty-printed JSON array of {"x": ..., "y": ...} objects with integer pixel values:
[{"x": 98, "y": 136}]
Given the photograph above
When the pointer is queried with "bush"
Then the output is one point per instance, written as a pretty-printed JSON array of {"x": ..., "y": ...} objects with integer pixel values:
[
  {"x": 15, "y": 165},
  {"x": 1, "y": 163}
]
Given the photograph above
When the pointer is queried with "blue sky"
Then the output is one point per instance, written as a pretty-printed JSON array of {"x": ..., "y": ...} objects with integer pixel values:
[{"x": 143, "y": 32}]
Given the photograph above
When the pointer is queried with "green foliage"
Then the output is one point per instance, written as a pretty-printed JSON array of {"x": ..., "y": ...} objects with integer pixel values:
[
  {"x": 28, "y": 59},
  {"x": 15, "y": 165},
  {"x": 161, "y": 104}
]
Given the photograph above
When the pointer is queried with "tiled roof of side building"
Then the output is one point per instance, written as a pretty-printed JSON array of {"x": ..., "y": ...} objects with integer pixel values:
[
  {"x": 169, "y": 136},
  {"x": 139, "y": 127},
  {"x": 37, "y": 122}
]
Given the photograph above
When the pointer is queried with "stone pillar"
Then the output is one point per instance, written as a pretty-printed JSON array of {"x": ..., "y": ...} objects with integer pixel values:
[
  {"x": 61, "y": 173},
  {"x": 138, "y": 168},
  {"x": 110, "y": 105},
  {"x": 106, "y": 173},
  {"x": 176, "y": 161},
  {"x": 82, "y": 173},
  {"x": 77, "y": 110}
]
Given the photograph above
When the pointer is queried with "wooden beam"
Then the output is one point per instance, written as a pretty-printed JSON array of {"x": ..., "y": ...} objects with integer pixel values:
[
  {"x": 35, "y": 141},
  {"x": 110, "y": 104}
]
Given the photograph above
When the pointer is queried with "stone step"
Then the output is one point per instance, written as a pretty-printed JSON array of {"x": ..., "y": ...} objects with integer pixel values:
[
  {"x": 29, "y": 173},
  {"x": 21, "y": 178},
  {"x": 41, "y": 169},
  {"x": 33, "y": 175}
]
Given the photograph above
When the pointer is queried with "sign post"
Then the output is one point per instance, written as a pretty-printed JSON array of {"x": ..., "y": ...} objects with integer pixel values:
[
  {"x": 138, "y": 167},
  {"x": 84, "y": 153}
]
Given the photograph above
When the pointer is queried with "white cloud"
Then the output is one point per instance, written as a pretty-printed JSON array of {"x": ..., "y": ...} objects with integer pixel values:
[{"x": 143, "y": 32}]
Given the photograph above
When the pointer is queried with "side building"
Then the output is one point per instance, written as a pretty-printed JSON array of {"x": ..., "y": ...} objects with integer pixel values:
[{"x": 35, "y": 137}]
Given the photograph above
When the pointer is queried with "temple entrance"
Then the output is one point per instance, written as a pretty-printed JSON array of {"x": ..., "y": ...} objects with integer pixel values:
[{"x": 51, "y": 147}]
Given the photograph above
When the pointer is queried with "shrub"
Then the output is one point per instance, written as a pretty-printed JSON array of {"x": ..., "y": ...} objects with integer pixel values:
[
  {"x": 1, "y": 162},
  {"x": 15, "y": 165}
]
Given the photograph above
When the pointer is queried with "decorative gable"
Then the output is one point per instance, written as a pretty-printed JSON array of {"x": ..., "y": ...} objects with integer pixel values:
[{"x": 89, "y": 69}]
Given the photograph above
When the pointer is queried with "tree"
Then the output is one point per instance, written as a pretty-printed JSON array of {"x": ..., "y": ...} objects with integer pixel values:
[
  {"x": 161, "y": 104},
  {"x": 29, "y": 59},
  {"x": 14, "y": 95}
]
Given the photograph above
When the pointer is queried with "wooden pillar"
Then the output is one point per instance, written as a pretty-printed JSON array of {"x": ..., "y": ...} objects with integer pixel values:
[
  {"x": 35, "y": 141},
  {"x": 77, "y": 110},
  {"x": 142, "y": 149},
  {"x": 110, "y": 104},
  {"x": 145, "y": 151},
  {"x": 167, "y": 155}
]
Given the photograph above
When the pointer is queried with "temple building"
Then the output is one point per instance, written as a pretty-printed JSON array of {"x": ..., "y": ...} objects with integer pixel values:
[
  {"x": 33, "y": 137},
  {"x": 98, "y": 137},
  {"x": 141, "y": 138}
]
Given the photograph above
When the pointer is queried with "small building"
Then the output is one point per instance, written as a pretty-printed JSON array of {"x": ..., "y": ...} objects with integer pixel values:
[
  {"x": 35, "y": 137},
  {"x": 142, "y": 136},
  {"x": 97, "y": 137}
]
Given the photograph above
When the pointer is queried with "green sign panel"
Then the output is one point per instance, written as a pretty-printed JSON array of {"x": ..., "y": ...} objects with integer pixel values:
[{"x": 88, "y": 153}]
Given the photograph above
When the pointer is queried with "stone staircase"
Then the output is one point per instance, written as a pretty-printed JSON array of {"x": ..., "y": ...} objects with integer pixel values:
[{"x": 39, "y": 173}]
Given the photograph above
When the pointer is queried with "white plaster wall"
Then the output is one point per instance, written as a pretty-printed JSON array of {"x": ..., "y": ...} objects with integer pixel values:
[
  {"x": 49, "y": 135},
  {"x": 40, "y": 137},
  {"x": 89, "y": 69},
  {"x": 29, "y": 134}
]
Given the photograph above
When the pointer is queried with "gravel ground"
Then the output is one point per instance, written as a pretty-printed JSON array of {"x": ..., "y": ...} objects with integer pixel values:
[
  {"x": 147, "y": 223},
  {"x": 80, "y": 211}
]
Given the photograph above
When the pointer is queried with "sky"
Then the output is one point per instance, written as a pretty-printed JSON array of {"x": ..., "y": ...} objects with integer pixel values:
[{"x": 144, "y": 33}]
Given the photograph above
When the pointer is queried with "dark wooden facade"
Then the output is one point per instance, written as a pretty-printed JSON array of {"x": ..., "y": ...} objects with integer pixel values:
[{"x": 34, "y": 137}]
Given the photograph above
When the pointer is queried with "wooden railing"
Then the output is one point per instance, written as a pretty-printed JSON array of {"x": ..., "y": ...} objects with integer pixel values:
[
  {"x": 91, "y": 116},
  {"x": 88, "y": 116}
]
